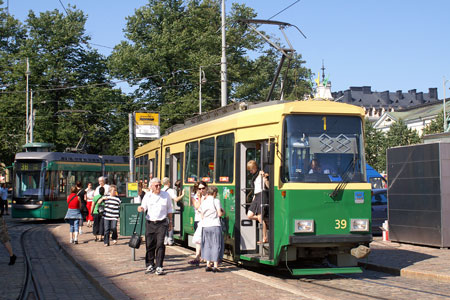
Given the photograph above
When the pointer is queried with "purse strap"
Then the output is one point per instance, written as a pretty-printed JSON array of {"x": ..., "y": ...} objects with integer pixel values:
[
  {"x": 72, "y": 198},
  {"x": 135, "y": 224}
]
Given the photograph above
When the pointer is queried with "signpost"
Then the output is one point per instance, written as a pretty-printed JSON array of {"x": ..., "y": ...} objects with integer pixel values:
[{"x": 147, "y": 125}]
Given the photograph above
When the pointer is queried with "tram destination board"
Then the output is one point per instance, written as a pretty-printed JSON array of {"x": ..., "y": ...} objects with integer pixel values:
[{"x": 28, "y": 166}]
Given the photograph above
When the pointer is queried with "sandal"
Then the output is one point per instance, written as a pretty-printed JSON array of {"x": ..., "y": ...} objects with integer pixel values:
[{"x": 194, "y": 262}]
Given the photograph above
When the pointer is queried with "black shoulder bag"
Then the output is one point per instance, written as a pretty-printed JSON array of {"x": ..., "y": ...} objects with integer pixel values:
[{"x": 135, "y": 240}]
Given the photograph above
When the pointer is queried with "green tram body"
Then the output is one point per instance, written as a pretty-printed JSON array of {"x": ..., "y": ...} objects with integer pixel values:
[
  {"x": 335, "y": 217},
  {"x": 42, "y": 180}
]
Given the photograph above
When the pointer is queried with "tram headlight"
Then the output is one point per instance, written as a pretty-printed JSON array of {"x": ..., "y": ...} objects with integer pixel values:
[
  {"x": 359, "y": 225},
  {"x": 304, "y": 226}
]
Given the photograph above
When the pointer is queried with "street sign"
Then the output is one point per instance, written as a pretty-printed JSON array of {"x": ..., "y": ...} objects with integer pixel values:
[
  {"x": 147, "y": 125},
  {"x": 132, "y": 189}
]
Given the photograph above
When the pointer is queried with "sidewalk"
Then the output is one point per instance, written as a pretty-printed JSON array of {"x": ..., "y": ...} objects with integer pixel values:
[
  {"x": 112, "y": 269},
  {"x": 408, "y": 260}
]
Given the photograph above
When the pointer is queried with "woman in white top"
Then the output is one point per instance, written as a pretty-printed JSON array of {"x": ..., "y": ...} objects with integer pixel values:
[
  {"x": 198, "y": 194},
  {"x": 211, "y": 230},
  {"x": 88, "y": 196}
]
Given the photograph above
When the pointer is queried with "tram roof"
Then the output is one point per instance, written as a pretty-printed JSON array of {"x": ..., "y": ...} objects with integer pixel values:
[
  {"x": 241, "y": 115},
  {"x": 71, "y": 157}
]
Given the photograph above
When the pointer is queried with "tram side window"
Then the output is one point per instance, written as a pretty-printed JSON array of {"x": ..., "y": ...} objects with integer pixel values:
[
  {"x": 207, "y": 160},
  {"x": 191, "y": 162},
  {"x": 156, "y": 164},
  {"x": 225, "y": 158}
]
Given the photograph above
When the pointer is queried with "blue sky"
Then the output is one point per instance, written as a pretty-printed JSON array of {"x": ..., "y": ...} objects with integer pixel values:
[{"x": 389, "y": 45}]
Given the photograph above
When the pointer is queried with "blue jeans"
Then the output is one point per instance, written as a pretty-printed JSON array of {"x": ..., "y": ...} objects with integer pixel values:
[
  {"x": 74, "y": 225},
  {"x": 110, "y": 226}
]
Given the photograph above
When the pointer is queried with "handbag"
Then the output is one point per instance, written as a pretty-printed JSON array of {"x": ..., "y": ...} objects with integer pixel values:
[
  {"x": 135, "y": 240},
  {"x": 101, "y": 209}
]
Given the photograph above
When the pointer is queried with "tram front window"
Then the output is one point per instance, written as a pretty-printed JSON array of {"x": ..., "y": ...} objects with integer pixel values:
[
  {"x": 28, "y": 180},
  {"x": 322, "y": 148}
]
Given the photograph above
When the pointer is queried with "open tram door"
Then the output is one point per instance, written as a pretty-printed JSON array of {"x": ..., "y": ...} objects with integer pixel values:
[
  {"x": 176, "y": 173},
  {"x": 250, "y": 231}
]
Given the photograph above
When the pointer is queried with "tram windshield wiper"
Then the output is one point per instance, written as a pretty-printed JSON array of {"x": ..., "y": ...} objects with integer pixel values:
[{"x": 345, "y": 177}]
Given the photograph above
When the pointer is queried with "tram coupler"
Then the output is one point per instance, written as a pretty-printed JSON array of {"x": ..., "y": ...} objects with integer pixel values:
[{"x": 360, "y": 252}]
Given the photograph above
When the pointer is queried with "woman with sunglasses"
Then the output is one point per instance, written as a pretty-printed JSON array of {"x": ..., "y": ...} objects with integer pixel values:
[{"x": 197, "y": 199}]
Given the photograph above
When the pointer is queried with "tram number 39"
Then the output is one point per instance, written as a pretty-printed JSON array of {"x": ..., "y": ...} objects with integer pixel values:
[{"x": 340, "y": 224}]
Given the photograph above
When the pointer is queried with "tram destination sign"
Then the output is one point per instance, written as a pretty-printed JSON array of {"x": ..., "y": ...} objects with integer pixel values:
[{"x": 146, "y": 125}]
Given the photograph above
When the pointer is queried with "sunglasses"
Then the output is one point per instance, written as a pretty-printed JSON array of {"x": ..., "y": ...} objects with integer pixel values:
[
  {"x": 157, "y": 185},
  {"x": 201, "y": 188}
]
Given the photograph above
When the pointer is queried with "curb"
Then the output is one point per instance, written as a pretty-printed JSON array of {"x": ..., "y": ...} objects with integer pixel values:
[
  {"x": 106, "y": 288},
  {"x": 406, "y": 273}
]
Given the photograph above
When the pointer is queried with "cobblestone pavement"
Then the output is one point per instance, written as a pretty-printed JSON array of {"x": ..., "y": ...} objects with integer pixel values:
[
  {"x": 112, "y": 269},
  {"x": 412, "y": 261}
]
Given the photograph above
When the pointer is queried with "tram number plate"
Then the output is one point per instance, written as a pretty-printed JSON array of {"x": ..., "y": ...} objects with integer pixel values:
[{"x": 340, "y": 224}]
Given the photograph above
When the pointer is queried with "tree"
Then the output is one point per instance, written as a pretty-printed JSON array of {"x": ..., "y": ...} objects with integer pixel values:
[
  {"x": 436, "y": 125},
  {"x": 73, "y": 95},
  {"x": 400, "y": 135},
  {"x": 375, "y": 146},
  {"x": 169, "y": 40},
  {"x": 12, "y": 85}
]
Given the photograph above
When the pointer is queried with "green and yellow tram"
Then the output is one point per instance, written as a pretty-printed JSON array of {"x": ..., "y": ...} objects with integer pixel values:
[
  {"x": 42, "y": 180},
  {"x": 316, "y": 219}
]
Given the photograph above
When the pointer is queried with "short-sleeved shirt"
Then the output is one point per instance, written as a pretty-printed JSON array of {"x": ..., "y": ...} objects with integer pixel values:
[
  {"x": 97, "y": 190},
  {"x": 3, "y": 193},
  {"x": 94, "y": 201},
  {"x": 197, "y": 216},
  {"x": 209, "y": 208},
  {"x": 112, "y": 208},
  {"x": 157, "y": 206}
]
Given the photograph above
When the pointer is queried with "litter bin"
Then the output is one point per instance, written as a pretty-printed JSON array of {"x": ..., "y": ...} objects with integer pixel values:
[{"x": 128, "y": 216}]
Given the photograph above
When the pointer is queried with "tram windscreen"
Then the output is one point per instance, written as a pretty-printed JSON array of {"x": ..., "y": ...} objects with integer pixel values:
[
  {"x": 28, "y": 179},
  {"x": 322, "y": 148}
]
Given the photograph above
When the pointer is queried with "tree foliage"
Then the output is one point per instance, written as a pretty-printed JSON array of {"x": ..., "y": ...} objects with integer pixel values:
[
  {"x": 169, "y": 40},
  {"x": 375, "y": 146},
  {"x": 400, "y": 135},
  {"x": 436, "y": 125}
]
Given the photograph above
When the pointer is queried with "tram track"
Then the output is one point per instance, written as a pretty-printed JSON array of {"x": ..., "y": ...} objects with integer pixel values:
[{"x": 31, "y": 288}]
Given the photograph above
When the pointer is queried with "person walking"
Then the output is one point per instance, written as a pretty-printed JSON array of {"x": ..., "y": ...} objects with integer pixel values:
[
  {"x": 159, "y": 210},
  {"x": 6, "y": 241},
  {"x": 212, "y": 237},
  {"x": 168, "y": 240},
  {"x": 73, "y": 215},
  {"x": 98, "y": 228},
  {"x": 3, "y": 199},
  {"x": 111, "y": 216},
  {"x": 88, "y": 197}
]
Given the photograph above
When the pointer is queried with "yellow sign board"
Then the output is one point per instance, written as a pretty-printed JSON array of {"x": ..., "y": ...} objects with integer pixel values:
[
  {"x": 146, "y": 125},
  {"x": 132, "y": 189},
  {"x": 147, "y": 119}
]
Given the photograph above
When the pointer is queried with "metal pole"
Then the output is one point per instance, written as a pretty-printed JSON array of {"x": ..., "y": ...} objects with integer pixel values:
[
  {"x": 31, "y": 117},
  {"x": 223, "y": 65},
  {"x": 27, "y": 73},
  {"x": 132, "y": 168},
  {"x": 200, "y": 90},
  {"x": 443, "y": 103}
]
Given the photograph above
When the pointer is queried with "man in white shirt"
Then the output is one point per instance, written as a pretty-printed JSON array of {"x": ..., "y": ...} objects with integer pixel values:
[
  {"x": 159, "y": 210},
  {"x": 102, "y": 183}
]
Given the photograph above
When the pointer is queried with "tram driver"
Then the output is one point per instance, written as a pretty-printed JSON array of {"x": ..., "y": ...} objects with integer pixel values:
[{"x": 258, "y": 207}]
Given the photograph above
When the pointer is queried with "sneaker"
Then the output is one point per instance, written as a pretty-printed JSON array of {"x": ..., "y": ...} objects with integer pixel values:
[
  {"x": 71, "y": 241},
  {"x": 114, "y": 242},
  {"x": 150, "y": 269},
  {"x": 106, "y": 245},
  {"x": 159, "y": 271},
  {"x": 75, "y": 242},
  {"x": 12, "y": 260}
]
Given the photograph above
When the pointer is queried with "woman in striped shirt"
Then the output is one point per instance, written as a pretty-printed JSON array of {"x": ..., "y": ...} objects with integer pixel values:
[{"x": 112, "y": 210}]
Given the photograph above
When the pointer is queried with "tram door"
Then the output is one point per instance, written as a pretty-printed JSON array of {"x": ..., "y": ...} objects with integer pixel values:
[
  {"x": 176, "y": 173},
  {"x": 248, "y": 238}
]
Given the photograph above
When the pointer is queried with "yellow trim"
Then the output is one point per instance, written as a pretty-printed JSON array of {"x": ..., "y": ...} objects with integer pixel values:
[
  {"x": 324, "y": 186},
  {"x": 78, "y": 162}
]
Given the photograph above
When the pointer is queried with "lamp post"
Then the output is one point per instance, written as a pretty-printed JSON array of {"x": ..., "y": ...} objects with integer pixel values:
[{"x": 201, "y": 80}]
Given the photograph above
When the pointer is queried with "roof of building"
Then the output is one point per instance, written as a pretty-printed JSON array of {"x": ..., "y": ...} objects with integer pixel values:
[{"x": 364, "y": 96}]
